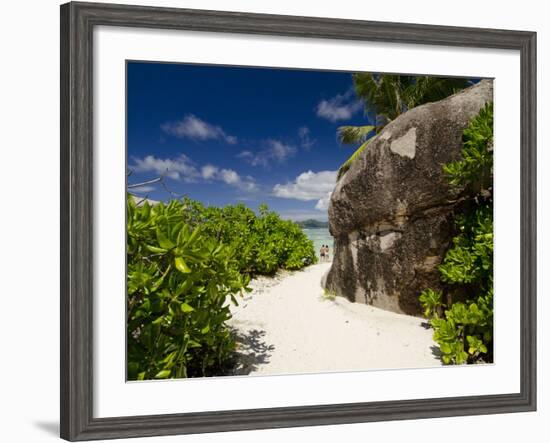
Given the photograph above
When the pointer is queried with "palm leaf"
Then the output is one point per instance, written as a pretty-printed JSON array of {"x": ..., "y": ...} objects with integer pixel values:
[
  {"x": 354, "y": 134},
  {"x": 347, "y": 164},
  {"x": 430, "y": 89},
  {"x": 366, "y": 86}
]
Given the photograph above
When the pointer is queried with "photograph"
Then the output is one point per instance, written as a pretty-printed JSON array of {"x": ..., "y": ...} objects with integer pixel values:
[
  {"x": 255, "y": 222},
  {"x": 290, "y": 221}
]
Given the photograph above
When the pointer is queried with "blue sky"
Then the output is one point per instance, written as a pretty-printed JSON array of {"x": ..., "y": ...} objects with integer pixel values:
[{"x": 224, "y": 135}]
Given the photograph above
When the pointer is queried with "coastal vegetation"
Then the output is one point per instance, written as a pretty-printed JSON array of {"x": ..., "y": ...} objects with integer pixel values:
[
  {"x": 464, "y": 329},
  {"x": 184, "y": 261},
  {"x": 263, "y": 242}
]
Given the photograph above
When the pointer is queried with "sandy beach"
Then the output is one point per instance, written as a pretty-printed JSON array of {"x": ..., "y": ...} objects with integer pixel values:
[{"x": 288, "y": 325}]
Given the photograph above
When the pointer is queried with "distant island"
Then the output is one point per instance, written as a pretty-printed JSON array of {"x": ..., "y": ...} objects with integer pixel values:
[{"x": 310, "y": 223}]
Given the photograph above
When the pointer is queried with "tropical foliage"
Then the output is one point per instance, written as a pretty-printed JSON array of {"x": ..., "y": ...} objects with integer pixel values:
[
  {"x": 464, "y": 330},
  {"x": 185, "y": 261},
  {"x": 264, "y": 242},
  {"x": 386, "y": 97}
]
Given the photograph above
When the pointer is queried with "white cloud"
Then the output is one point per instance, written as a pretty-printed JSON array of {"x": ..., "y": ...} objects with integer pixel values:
[
  {"x": 209, "y": 171},
  {"x": 180, "y": 168},
  {"x": 245, "y": 154},
  {"x": 303, "y": 131},
  {"x": 195, "y": 128},
  {"x": 339, "y": 107},
  {"x": 243, "y": 183},
  {"x": 279, "y": 151},
  {"x": 229, "y": 176},
  {"x": 248, "y": 186},
  {"x": 322, "y": 204},
  {"x": 309, "y": 186},
  {"x": 183, "y": 169},
  {"x": 275, "y": 150},
  {"x": 306, "y": 141}
]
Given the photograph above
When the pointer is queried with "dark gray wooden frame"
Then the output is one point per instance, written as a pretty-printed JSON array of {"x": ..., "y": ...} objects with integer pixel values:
[{"x": 77, "y": 24}]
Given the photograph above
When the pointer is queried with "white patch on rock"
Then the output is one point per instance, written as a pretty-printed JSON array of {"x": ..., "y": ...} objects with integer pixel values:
[
  {"x": 360, "y": 295},
  {"x": 387, "y": 241},
  {"x": 406, "y": 144},
  {"x": 386, "y": 135},
  {"x": 400, "y": 213},
  {"x": 353, "y": 238}
]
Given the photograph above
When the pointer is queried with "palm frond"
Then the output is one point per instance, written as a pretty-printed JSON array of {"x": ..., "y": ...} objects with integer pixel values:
[
  {"x": 366, "y": 86},
  {"x": 428, "y": 89},
  {"x": 347, "y": 164},
  {"x": 354, "y": 134},
  {"x": 382, "y": 93}
]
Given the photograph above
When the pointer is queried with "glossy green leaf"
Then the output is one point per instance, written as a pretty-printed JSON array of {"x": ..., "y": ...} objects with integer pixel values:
[
  {"x": 165, "y": 373},
  {"x": 163, "y": 241},
  {"x": 181, "y": 265},
  {"x": 186, "y": 308}
]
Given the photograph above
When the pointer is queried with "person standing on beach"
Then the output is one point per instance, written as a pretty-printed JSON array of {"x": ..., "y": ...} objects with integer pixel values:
[
  {"x": 322, "y": 252},
  {"x": 327, "y": 257}
]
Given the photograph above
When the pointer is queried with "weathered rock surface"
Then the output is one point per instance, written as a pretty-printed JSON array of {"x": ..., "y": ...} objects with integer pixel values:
[{"x": 392, "y": 213}]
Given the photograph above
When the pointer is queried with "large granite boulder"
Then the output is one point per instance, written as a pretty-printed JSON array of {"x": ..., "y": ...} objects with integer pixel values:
[{"x": 392, "y": 213}]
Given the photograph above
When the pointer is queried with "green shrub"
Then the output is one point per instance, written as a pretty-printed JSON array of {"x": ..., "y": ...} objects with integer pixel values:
[
  {"x": 184, "y": 261},
  {"x": 464, "y": 331},
  {"x": 178, "y": 282},
  {"x": 431, "y": 303},
  {"x": 475, "y": 168},
  {"x": 265, "y": 242}
]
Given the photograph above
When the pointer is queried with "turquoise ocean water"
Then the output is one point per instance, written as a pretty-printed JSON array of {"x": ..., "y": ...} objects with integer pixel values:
[{"x": 320, "y": 236}]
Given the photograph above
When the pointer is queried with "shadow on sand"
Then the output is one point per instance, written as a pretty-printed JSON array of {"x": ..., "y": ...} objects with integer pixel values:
[{"x": 252, "y": 351}]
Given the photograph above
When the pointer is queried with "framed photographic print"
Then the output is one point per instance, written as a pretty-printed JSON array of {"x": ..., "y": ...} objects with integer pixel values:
[{"x": 273, "y": 221}]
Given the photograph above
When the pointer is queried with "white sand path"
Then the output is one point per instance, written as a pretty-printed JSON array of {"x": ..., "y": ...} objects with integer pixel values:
[{"x": 287, "y": 325}]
